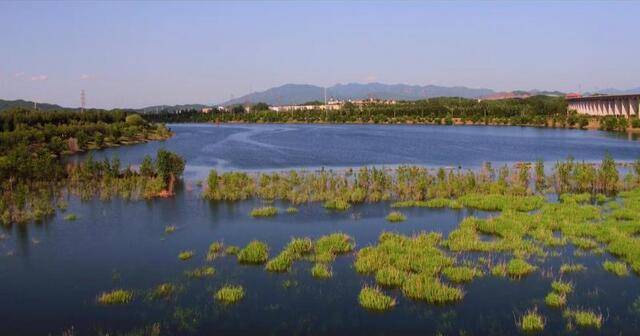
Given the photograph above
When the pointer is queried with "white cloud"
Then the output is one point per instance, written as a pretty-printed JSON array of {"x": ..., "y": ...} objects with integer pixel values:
[{"x": 39, "y": 78}]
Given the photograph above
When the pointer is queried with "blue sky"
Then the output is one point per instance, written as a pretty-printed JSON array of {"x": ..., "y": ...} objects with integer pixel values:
[{"x": 132, "y": 54}]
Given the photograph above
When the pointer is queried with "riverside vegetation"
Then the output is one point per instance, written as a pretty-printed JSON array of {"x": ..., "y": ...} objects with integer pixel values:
[{"x": 33, "y": 174}]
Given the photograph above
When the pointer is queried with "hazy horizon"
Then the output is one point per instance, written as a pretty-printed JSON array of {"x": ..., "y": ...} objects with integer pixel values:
[{"x": 154, "y": 53}]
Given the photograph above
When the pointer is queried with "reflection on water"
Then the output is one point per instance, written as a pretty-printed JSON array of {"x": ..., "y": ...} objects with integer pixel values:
[{"x": 264, "y": 147}]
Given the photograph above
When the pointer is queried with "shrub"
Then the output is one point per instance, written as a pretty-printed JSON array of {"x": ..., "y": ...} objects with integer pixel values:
[
  {"x": 230, "y": 294},
  {"x": 115, "y": 297},
  {"x": 373, "y": 298},
  {"x": 256, "y": 252}
]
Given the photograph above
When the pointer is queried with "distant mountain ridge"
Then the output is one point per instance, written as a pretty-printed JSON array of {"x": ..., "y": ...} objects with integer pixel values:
[
  {"x": 301, "y": 93},
  {"x": 612, "y": 91},
  {"x": 8, "y": 104}
]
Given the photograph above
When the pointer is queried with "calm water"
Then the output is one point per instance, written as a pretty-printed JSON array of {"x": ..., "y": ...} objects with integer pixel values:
[
  {"x": 260, "y": 147},
  {"x": 51, "y": 272}
]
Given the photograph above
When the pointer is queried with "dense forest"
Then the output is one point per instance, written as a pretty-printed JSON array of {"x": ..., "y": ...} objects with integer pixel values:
[{"x": 33, "y": 143}]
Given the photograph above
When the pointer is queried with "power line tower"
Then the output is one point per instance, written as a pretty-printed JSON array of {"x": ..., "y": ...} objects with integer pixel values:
[{"x": 82, "y": 100}]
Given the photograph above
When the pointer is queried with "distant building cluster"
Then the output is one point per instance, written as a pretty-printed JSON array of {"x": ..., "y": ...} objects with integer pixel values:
[{"x": 332, "y": 104}]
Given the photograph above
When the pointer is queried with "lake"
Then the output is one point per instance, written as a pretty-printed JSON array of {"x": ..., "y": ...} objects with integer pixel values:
[{"x": 52, "y": 272}]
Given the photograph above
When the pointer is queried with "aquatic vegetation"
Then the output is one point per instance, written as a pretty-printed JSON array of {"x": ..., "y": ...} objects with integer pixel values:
[
  {"x": 334, "y": 244},
  {"x": 390, "y": 276},
  {"x": 186, "y": 255},
  {"x": 555, "y": 299},
  {"x": 499, "y": 270},
  {"x": 373, "y": 298},
  {"x": 170, "y": 229},
  {"x": 321, "y": 271},
  {"x": 584, "y": 318},
  {"x": 517, "y": 268},
  {"x": 256, "y": 252},
  {"x": 336, "y": 204},
  {"x": 396, "y": 216},
  {"x": 572, "y": 268},
  {"x": 201, "y": 272},
  {"x": 70, "y": 217},
  {"x": 115, "y": 297},
  {"x": 292, "y": 210},
  {"x": 232, "y": 250},
  {"x": 163, "y": 291},
  {"x": 281, "y": 263},
  {"x": 531, "y": 321},
  {"x": 461, "y": 274},
  {"x": 267, "y": 211},
  {"x": 562, "y": 287},
  {"x": 428, "y": 288},
  {"x": 214, "y": 250},
  {"x": 616, "y": 267},
  {"x": 230, "y": 294}
]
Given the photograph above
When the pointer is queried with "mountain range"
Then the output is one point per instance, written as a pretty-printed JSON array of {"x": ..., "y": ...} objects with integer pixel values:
[{"x": 300, "y": 93}]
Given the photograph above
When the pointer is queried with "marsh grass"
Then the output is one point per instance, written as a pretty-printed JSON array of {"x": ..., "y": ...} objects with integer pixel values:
[
  {"x": 531, "y": 321},
  {"x": 115, "y": 297},
  {"x": 163, "y": 291},
  {"x": 390, "y": 276},
  {"x": 337, "y": 205},
  {"x": 499, "y": 270},
  {"x": 268, "y": 211},
  {"x": 201, "y": 272},
  {"x": 616, "y": 267},
  {"x": 229, "y": 294},
  {"x": 430, "y": 289},
  {"x": 555, "y": 299},
  {"x": 296, "y": 249},
  {"x": 215, "y": 249},
  {"x": 562, "y": 287},
  {"x": 518, "y": 268},
  {"x": 374, "y": 299},
  {"x": 584, "y": 318},
  {"x": 461, "y": 274},
  {"x": 70, "y": 217},
  {"x": 185, "y": 255},
  {"x": 572, "y": 268},
  {"x": 396, "y": 216},
  {"x": 292, "y": 210},
  {"x": 169, "y": 229},
  {"x": 256, "y": 252},
  {"x": 232, "y": 250},
  {"x": 321, "y": 271}
]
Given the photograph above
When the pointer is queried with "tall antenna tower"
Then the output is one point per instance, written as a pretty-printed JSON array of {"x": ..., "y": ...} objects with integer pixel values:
[{"x": 82, "y": 100}]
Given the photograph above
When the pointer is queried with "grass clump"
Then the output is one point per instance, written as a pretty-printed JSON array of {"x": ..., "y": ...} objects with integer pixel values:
[
  {"x": 230, "y": 294},
  {"x": 555, "y": 299},
  {"x": 334, "y": 244},
  {"x": 201, "y": 272},
  {"x": 70, "y": 217},
  {"x": 373, "y": 298},
  {"x": 461, "y": 274},
  {"x": 531, "y": 321},
  {"x": 214, "y": 250},
  {"x": 517, "y": 268},
  {"x": 584, "y": 318},
  {"x": 163, "y": 291},
  {"x": 281, "y": 263},
  {"x": 430, "y": 289},
  {"x": 321, "y": 271},
  {"x": 292, "y": 210},
  {"x": 115, "y": 297},
  {"x": 396, "y": 216},
  {"x": 185, "y": 255},
  {"x": 390, "y": 277},
  {"x": 499, "y": 270},
  {"x": 169, "y": 229},
  {"x": 616, "y": 267},
  {"x": 337, "y": 204},
  {"x": 268, "y": 211},
  {"x": 256, "y": 252},
  {"x": 572, "y": 268},
  {"x": 295, "y": 250},
  {"x": 562, "y": 287},
  {"x": 232, "y": 250}
]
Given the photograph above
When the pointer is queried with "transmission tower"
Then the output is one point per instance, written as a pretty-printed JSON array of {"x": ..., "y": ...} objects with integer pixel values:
[{"x": 82, "y": 100}]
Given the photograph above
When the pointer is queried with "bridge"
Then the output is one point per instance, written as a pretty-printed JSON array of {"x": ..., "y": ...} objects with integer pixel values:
[{"x": 615, "y": 105}]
